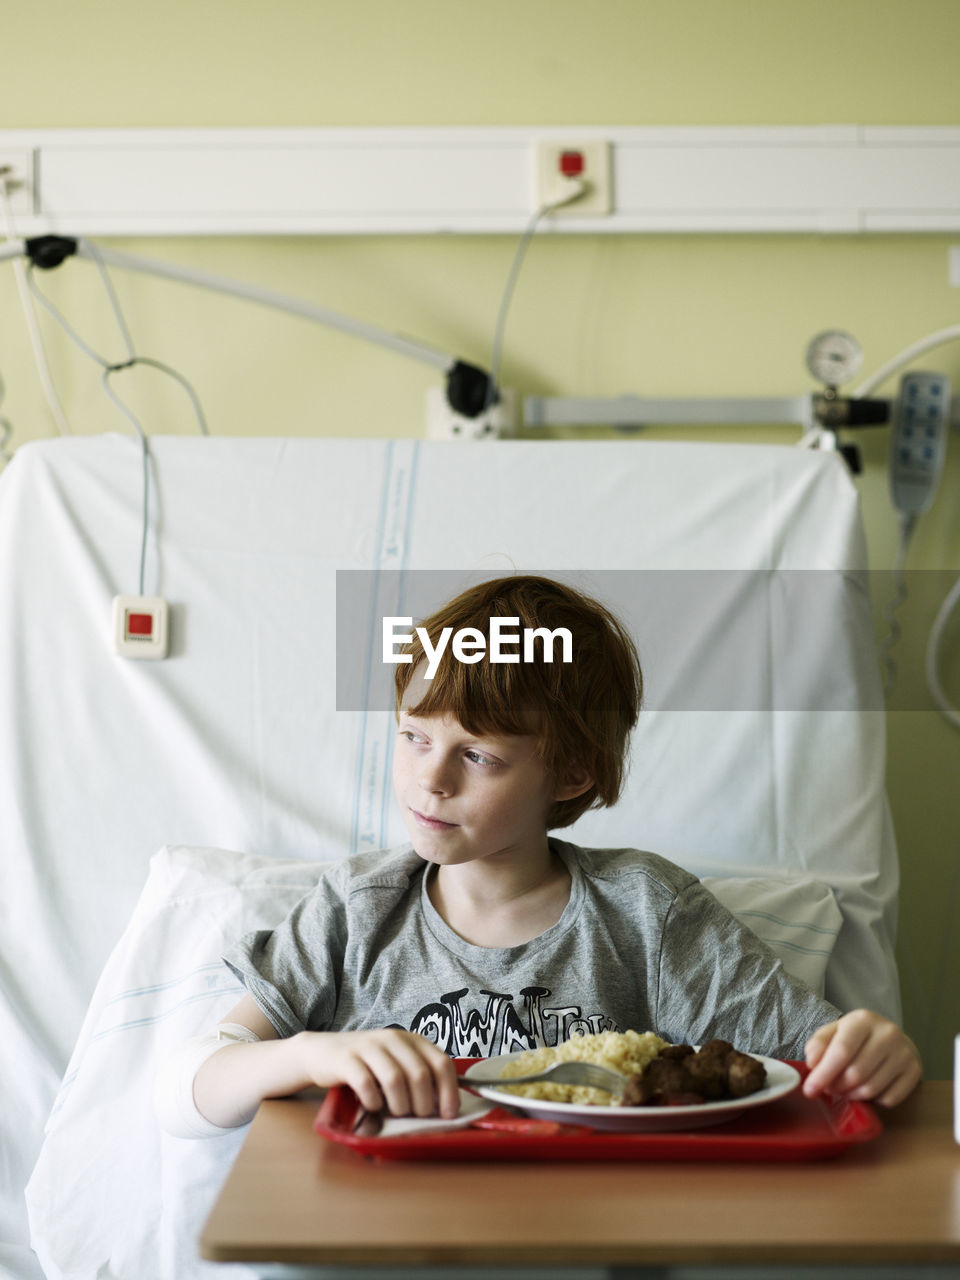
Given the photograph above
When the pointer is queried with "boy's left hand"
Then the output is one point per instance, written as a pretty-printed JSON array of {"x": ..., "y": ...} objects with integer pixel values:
[{"x": 863, "y": 1057}]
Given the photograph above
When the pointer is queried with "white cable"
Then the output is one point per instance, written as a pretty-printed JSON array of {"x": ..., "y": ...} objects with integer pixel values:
[
  {"x": 132, "y": 357},
  {"x": 30, "y": 315},
  {"x": 62, "y": 321},
  {"x": 114, "y": 302},
  {"x": 579, "y": 188},
  {"x": 252, "y": 293},
  {"x": 938, "y": 339},
  {"x": 950, "y": 713},
  {"x": 108, "y": 370},
  {"x": 144, "y": 469},
  {"x": 818, "y": 437},
  {"x": 6, "y": 430},
  {"x": 909, "y": 354}
]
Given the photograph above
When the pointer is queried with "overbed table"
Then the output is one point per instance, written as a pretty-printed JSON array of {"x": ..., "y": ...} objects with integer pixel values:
[{"x": 293, "y": 1197}]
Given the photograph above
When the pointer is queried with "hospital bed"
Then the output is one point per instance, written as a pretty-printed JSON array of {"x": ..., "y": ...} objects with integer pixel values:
[{"x": 153, "y": 810}]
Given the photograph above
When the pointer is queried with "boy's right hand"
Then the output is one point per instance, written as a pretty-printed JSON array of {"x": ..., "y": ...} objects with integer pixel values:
[{"x": 393, "y": 1069}]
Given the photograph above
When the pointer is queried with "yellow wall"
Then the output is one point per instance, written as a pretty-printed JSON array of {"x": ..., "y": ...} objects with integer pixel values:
[{"x": 592, "y": 315}]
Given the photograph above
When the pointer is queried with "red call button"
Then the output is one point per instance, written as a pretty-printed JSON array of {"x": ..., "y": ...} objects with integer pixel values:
[
  {"x": 139, "y": 624},
  {"x": 571, "y": 164}
]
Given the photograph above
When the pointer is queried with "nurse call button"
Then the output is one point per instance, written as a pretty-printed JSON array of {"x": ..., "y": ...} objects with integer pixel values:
[{"x": 140, "y": 626}]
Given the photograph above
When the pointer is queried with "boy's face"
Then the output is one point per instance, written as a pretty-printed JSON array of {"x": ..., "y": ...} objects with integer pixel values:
[{"x": 465, "y": 797}]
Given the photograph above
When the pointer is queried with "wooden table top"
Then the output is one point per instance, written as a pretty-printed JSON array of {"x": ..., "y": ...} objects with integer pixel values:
[{"x": 293, "y": 1197}]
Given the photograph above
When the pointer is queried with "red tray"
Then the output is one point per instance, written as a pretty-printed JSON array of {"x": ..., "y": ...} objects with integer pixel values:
[{"x": 792, "y": 1128}]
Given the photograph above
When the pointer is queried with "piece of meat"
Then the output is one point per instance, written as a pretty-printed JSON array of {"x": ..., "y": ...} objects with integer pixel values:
[
  {"x": 715, "y": 1049},
  {"x": 745, "y": 1075},
  {"x": 680, "y": 1076},
  {"x": 675, "y": 1052},
  {"x": 634, "y": 1092},
  {"x": 662, "y": 1076},
  {"x": 707, "y": 1073}
]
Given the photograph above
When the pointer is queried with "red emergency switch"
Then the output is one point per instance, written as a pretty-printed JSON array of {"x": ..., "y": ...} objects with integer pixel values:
[
  {"x": 571, "y": 163},
  {"x": 139, "y": 624}
]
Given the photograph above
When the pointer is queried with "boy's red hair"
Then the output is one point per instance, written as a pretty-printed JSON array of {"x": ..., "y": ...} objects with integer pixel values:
[{"x": 581, "y": 712}]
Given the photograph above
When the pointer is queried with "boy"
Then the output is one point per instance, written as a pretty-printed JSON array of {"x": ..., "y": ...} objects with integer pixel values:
[{"x": 399, "y": 961}]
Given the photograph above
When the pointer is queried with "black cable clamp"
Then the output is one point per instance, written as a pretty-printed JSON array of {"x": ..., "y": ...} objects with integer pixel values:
[
  {"x": 47, "y": 252},
  {"x": 469, "y": 390}
]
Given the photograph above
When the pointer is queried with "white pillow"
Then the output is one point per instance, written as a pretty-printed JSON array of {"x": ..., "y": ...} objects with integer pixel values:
[
  {"x": 114, "y": 1198},
  {"x": 798, "y": 918}
]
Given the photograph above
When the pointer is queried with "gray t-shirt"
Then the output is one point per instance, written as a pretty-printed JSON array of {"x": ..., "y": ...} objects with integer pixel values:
[{"x": 641, "y": 944}]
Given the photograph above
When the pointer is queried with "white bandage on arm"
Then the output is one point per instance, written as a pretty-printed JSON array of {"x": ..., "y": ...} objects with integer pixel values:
[{"x": 173, "y": 1094}]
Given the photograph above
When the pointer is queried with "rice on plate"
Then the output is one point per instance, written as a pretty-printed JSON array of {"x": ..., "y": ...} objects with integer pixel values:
[{"x": 628, "y": 1052}]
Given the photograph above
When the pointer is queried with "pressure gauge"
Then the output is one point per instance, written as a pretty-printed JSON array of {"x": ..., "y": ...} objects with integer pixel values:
[{"x": 834, "y": 357}]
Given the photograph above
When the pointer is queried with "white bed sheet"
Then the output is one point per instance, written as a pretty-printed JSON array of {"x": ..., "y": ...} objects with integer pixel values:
[{"x": 234, "y": 741}]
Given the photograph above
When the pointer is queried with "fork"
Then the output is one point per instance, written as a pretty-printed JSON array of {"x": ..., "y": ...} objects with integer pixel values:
[{"x": 585, "y": 1075}]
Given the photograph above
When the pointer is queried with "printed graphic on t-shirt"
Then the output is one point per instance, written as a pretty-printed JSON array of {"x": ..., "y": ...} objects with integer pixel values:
[{"x": 470, "y": 1031}]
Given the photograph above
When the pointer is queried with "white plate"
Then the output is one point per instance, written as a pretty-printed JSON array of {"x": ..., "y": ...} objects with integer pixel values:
[{"x": 781, "y": 1080}]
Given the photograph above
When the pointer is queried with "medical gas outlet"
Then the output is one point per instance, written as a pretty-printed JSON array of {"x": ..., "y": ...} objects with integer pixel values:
[
  {"x": 834, "y": 357},
  {"x": 575, "y": 177}
]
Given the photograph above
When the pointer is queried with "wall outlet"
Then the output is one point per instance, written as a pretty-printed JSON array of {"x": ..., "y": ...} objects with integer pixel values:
[
  {"x": 588, "y": 161},
  {"x": 953, "y": 265},
  {"x": 16, "y": 169},
  {"x": 444, "y": 423}
]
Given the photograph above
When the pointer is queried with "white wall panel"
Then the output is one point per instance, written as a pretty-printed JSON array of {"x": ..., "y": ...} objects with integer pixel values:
[{"x": 843, "y": 178}]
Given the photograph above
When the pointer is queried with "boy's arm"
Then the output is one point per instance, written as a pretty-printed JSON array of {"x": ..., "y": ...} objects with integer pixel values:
[
  {"x": 386, "y": 1068},
  {"x": 864, "y": 1057},
  {"x": 227, "y": 1090}
]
